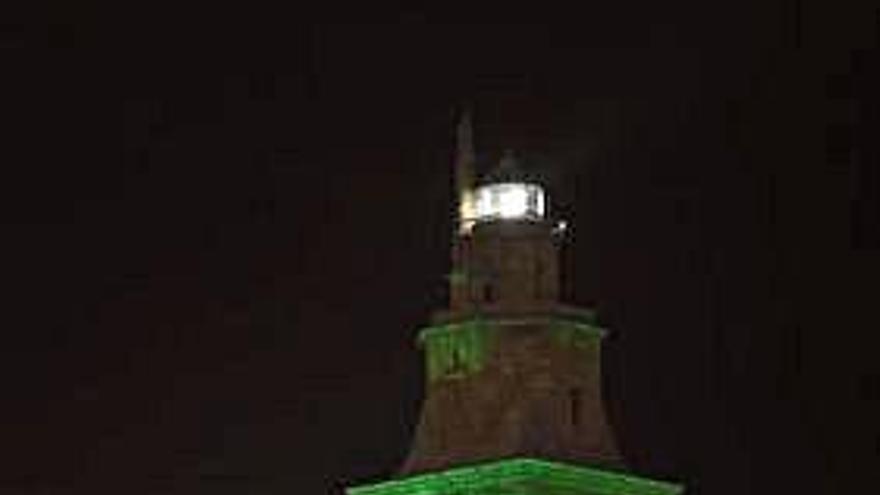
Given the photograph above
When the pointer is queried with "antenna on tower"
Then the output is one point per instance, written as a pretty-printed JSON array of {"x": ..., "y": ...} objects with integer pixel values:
[{"x": 465, "y": 157}]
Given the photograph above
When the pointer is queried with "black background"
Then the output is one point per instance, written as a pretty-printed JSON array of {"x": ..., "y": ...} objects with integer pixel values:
[{"x": 226, "y": 226}]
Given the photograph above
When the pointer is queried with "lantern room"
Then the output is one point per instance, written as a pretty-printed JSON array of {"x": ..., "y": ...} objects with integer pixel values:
[{"x": 509, "y": 201}]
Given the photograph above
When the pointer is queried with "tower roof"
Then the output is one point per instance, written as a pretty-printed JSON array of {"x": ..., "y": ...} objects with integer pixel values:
[
  {"x": 509, "y": 169},
  {"x": 521, "y": 475}
]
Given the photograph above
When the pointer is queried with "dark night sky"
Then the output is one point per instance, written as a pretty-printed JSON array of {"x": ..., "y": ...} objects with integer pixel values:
[{"x": 226, "y": 227}]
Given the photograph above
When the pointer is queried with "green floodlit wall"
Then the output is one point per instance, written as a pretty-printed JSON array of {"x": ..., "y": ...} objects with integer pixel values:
[
  {"x": 455, "y": 350},
  {"x": 460, "y": 349},
  {"x": 579, "y": 335},
  {"x": 521, "y": 477}
]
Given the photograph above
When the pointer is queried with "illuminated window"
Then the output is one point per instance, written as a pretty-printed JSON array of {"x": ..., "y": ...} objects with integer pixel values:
[{"x": 509, "y": 200}]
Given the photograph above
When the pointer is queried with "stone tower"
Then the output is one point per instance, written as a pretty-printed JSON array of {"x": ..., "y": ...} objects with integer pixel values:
[{"x": 513, "y": 396}]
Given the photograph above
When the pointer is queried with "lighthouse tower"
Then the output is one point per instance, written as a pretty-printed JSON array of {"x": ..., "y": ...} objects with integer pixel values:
[{"x": 513, "y": 395}]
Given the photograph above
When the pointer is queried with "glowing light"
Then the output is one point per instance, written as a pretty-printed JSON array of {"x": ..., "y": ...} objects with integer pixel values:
[
  {"x": 561, "y": 227},
  {"x": 521, "y": 476},
  {"x": 466, "y": 211},
  {"x": 512, "y": 202},
  {"x": 509, "y": 200}
]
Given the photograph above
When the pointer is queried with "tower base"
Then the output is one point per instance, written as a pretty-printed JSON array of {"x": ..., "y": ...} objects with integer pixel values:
[{"x": 521, "y": 476}]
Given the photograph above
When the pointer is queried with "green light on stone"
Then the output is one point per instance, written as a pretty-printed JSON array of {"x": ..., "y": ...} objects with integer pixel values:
[
  {"x": 455, "y": 350},
  {"x": 579, "y": 335},
  {"x": 523, "y": 476},
  {"x": 458, "y": 277}
]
